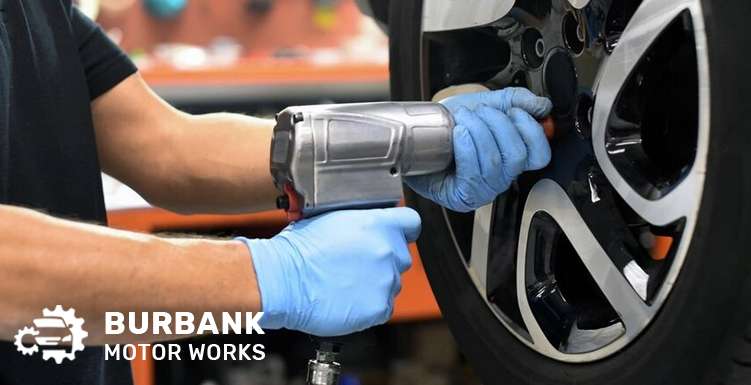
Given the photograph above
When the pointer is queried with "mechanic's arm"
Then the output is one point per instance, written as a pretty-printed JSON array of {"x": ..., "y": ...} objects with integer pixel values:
[
  {"x": 214, "y": 163},
  {"x": 315, "y": 276},
  {"x": 45, "y": 261}
]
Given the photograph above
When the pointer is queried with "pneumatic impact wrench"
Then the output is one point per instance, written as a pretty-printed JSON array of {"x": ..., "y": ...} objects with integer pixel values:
[{"x": 353, "y": 156}]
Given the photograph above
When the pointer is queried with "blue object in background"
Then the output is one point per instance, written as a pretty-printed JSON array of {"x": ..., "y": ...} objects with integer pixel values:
[
  {"x": 165, "y": 9},
  {"x": 349, "y": 379}
]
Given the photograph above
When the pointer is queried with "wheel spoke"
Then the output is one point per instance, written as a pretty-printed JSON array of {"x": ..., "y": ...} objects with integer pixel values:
[
  {"x": 652, "y": 17},
  {"x": 547, "y": 196},
  {"x": 441, "y": 15},
  {"x": 579, "y": 4},
  {"x": 539, "y": 340},
  {"x": 620, "y": 293},
  {"x": 478, "y": 262}
]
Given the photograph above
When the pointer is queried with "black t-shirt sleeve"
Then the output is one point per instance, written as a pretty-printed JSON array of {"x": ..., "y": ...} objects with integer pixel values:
[{"x": 105, "y": 64}]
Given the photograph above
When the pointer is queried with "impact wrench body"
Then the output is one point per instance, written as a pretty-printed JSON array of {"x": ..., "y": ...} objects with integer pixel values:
[{"x": 353, "y": 156}]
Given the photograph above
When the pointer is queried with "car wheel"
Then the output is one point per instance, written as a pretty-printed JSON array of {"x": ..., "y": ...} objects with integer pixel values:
[{"x": 625, "y": 261}]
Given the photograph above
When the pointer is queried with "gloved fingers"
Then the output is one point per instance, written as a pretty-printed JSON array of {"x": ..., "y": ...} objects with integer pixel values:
[
  {"x": 423, "y": 184},
  {"x": 457, "y": 103},
  {"x": 467, "y": 186},
  {"x": 519, "y": 97},
  {"x": 385, "y": 316},
  {"x": 403, "y": 257},
  {"x": 509, "y": 141},
  {"x": 440, "y": 188},
  {"x": 466, "y": 189},
  {"x": 533, "y": 135},
  {"x": 388, "y": 311},
  {"x": 407, "y": 220},
  {"x": 404, "y": 260},
  {"x": 465, "y": 154},
  {"x": 489, "y": 153},
  {"x": 396, "y": 288}
]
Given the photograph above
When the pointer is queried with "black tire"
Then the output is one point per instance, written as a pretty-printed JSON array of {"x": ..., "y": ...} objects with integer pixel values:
[{"x": 702, "y": 334}]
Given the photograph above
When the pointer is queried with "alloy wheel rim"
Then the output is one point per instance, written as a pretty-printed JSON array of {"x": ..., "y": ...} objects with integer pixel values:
[{"x": 633, "y": 290}]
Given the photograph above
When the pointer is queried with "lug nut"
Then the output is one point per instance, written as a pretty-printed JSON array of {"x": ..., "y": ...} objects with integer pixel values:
[{"x": 533, "y": 48}]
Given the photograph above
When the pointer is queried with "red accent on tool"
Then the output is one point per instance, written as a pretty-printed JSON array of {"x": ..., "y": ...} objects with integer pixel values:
[
  {"x": 294, "y": 211},
  {"x": 548, "y": 125}
]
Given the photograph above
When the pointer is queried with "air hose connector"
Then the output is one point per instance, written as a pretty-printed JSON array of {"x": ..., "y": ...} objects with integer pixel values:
[{"x": 324, "y": 369}]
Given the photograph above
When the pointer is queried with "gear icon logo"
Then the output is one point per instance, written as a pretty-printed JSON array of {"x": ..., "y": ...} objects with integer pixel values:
[
  {"x": 23, "y": 349},
  {"x": 58, "y": 334}
]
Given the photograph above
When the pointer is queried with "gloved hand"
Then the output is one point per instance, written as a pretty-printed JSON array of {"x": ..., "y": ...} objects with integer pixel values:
[
  {"x": 496, "y": 138},
  {"x": 335, "y": 274}
]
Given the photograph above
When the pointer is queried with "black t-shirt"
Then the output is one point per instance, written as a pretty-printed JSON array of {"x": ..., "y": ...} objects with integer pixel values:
[{"x": 53, "y": 62}]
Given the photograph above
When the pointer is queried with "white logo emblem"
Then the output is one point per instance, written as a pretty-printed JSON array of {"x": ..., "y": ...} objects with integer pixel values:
[{"x": 58, "y": 334}]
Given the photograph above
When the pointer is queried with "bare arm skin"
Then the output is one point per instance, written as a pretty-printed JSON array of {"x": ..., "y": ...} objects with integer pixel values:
[
  {"x": 215, "y": 163},
  {"x": 46, "y": 261}
]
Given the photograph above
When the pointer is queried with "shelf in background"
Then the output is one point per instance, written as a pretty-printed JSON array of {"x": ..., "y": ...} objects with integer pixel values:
[{"x": 270, "y": 81}]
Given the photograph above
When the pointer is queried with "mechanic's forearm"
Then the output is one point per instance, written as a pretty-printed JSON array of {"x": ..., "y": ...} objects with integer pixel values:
[
  {"x": 216, "y": 163},
  {"x": 46, "y": 261},
  {"x": 219, "y": 163}
]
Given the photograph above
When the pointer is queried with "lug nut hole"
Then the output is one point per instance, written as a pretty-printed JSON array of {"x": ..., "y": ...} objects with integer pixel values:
[
  {"x": 584, "y": 108},
  {"x": 573, "y": 33},
  {"x": 533, "y": 48},
  {"x": 539, "y": 47}
]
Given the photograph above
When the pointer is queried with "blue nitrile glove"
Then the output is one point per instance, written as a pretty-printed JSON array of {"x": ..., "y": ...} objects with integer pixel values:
[
  {"x": 496, "y": 138},
  {"x": 335, "y": 274}
]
